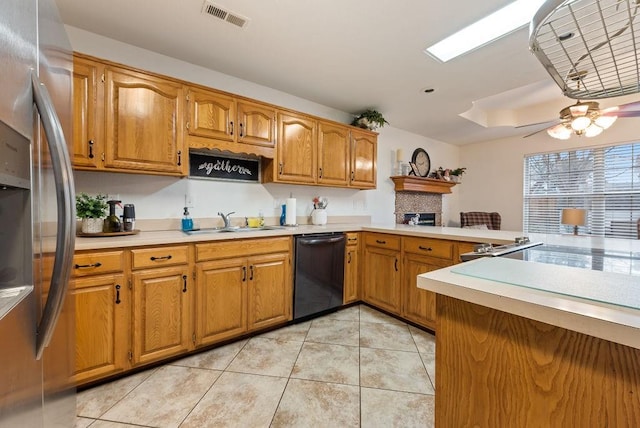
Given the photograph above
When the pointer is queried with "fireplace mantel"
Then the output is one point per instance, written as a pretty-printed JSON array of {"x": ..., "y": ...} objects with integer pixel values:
[{"x": 411, "y": 183}]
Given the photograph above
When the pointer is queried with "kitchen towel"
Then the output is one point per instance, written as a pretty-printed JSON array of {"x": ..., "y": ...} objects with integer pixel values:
[{"x": 290, "y": 219}]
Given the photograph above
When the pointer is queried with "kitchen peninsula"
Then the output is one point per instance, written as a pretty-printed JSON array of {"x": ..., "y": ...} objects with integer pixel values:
[{"x": 529, "y": 344}]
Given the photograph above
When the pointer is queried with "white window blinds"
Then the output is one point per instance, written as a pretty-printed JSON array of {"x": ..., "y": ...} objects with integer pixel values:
[{"x": 605, "y": 181}]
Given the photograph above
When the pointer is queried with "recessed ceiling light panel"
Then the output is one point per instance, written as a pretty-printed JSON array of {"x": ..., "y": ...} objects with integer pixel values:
[{"x": 492, "y": 27}]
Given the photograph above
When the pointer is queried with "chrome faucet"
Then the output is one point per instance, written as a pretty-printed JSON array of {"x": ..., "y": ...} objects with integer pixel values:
[{"x": 225, "y": 218}]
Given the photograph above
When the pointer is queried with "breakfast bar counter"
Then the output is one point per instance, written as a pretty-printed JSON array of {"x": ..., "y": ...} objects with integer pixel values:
[{"x": 529, "y": 344}]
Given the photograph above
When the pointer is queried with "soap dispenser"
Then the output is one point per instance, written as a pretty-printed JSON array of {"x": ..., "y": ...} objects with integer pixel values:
[{"x": 187, "y": 221}]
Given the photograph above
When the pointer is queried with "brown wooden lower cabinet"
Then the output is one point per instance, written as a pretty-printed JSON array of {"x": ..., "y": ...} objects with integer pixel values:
[
  {"x": 241, "y": 286},
  {"x": 221, "y": 295},
  {"x": 161, "y": 313},
  {"x": 352, "y": 268},
  {"x": 391, "y": 265},
  {"x": 495, "y": 369},
  {"x": 102, "y": 307}
]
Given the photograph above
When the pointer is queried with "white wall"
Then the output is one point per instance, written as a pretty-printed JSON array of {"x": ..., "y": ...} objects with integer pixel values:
[
  {"x": 158, "y": 197},
  {"x": 494, "y": 179}
]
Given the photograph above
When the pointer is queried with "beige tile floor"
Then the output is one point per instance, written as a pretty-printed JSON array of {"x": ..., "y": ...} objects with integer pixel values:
[{"x": 352, "y": 368}]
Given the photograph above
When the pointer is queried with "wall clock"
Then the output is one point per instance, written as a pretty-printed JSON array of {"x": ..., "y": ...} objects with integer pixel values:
[{"x": 422, "y": 162}]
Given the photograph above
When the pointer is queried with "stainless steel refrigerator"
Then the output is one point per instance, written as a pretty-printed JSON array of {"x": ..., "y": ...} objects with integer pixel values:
[{"x": 37, "y": 217}]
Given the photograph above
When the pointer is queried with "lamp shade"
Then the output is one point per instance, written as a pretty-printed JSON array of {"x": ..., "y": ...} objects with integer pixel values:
[{"x": 574, "y": 217}]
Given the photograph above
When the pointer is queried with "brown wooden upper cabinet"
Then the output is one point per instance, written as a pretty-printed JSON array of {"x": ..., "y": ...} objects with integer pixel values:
[
  {"x": 87, "y": 141},
  {"x": 126, "y": 120},
  {"x": 315, "y": 151},
  {"x": 296, "y": 152},
  {"x": 219, "y": 121}
]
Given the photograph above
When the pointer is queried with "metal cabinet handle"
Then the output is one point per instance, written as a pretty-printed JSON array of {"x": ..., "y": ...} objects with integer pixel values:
[
  {"x": 241, "y": 130},
  {"x": 395, "y": 265},
  {"x": 91, "y": 149},
  {"x": 425, "y": 248},
  {"x": 66, "y": 214},
  {"x": 280, "y": 168},
  {"x": 179, "y": 157},
  {"x": 380, "y": 241},
  {"x": 154, "y": 258},
  {"x": 353, "y": 176},
  {"x": 231, "y": 128},
  {"x": 118, "y": 294},
  {"x": 352, "y": 239},
  {"x": 244, "y": 273},
  {"x": 349, "y": 257},
  {"x": 251, "y": 273},
  {"x": 320, "y": 173},
  {"x": 184, "y": 279},
  {"x": 92, "y": 265}
]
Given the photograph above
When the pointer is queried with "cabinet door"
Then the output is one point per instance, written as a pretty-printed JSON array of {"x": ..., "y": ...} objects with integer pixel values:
[
  {"x": 363, "y": 160},
  {"x": 419, "y": 305},
  {"x": 211, "y": 115},
  {"x": 381, "y": 285},
  {"x": 221, "y": 300},
  {"x": 256, "y": 124},
  {"x": 102, "y": 307},
  {"x": 270, "y": 297},
  {"x": 144, "y": 123},
  {"x": 296, "y": 150},
  {"x": 351, "y": 274},
  {"x": 333, "y": 154},
  {"x": 161, "y": 313},
  {"x": 86, "y": 149}
]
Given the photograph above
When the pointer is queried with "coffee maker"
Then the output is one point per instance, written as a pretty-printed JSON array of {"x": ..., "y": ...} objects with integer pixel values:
[{"x": 129, "y": 217}]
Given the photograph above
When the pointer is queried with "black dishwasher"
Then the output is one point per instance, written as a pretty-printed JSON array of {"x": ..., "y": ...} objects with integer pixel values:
[{"x": 319, "y": 273}]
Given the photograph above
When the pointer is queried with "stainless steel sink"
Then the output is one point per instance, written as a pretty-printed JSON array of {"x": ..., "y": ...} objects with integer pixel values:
[{"x": 230, "y": 229}]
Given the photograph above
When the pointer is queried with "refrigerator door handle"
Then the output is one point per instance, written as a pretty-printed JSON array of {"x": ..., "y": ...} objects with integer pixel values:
[{"x": 66, "y": 227}]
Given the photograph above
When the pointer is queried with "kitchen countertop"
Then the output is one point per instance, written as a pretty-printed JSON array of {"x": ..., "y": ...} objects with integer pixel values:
[
  {"x": 571, "y": 311},
  {"x": 179, "y": 237}
]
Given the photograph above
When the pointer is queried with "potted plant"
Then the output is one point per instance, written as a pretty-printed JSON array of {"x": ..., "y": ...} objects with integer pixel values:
[
  {"x": 92, "y": 210},
  {"x": 456, "y": 174},
  {"x": 370, "y": 119}
]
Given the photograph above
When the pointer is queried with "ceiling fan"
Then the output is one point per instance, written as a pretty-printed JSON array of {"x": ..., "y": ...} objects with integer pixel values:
[{"x": 586, "y": 118}]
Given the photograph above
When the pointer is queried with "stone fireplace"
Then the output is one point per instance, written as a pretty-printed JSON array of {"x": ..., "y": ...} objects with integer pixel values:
[{"x": 417, "y": 202}]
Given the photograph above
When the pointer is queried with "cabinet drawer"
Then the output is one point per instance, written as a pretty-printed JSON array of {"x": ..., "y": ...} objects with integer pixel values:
[
  {"x": 429, "y": 247},
  {"x": 159, "y": 257},
  {"x": 241, "y": 247},
  {"x": 85, "y": 264},
  {"x": 382, "y": 241},
  {"x": 352, "y": 238}
]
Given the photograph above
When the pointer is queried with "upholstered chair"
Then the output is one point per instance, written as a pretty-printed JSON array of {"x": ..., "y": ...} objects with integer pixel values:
[{"x": 476, "y": 220}]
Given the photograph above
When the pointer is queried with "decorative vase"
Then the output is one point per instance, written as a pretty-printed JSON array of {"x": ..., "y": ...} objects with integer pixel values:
[
  {"x": 319, "y": 217},
  {"x": 92, "y": 225}
]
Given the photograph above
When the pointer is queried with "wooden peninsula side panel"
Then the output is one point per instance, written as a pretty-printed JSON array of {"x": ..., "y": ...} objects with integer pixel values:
[{"x": 495, "y": 369}]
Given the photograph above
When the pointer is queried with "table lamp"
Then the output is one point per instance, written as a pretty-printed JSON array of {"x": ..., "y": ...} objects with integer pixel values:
[{"x": 574, "y": 217}]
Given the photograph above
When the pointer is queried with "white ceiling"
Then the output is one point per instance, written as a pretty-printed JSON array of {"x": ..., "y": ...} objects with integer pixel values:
[{"x": 349, "y": 55}]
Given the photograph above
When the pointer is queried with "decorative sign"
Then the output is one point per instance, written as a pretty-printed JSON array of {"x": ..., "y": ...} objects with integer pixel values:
[{"x": 218, "y": 167}]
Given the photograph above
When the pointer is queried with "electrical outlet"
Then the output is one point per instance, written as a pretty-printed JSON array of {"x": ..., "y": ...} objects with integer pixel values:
[{"x": 189, "y": 200}]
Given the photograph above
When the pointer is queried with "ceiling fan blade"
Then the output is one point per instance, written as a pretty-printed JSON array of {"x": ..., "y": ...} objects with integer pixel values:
[
  {"x": 623, "y": 113},
  {"x": 536, "y": 132},
  {"x": 548, "y": 122},
  {"x": 635, "y": 106}
]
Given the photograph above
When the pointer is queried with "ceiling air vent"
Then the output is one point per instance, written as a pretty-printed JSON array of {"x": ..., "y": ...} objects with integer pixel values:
[{"x": 225, "y": 15}]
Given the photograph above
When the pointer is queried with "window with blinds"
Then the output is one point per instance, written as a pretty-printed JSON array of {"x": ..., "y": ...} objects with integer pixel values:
[{"x": 605, "y": 181}]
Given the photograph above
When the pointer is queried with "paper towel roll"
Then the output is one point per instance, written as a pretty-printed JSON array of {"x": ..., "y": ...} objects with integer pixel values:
[{"x": 291, "y": 212}]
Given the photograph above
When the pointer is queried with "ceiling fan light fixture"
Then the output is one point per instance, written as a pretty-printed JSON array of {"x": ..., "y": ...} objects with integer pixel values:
[
  {"x": 593, "y": 130},
  {"x": 580, "y": 123},
  {"x": 579, "y": 109},
  {"x": 560, "y": 131},
  {"x": 605, "y": 122}
]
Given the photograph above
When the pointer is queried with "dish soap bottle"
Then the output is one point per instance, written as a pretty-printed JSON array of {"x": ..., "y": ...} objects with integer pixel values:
[
  {"x": 187, "y": 221},
  {"x": 112, "y": 223},
  {"x": 283, "y": 216}
]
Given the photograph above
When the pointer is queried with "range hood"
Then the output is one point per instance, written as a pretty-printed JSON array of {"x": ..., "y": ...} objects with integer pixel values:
[{"x": 589, "y": 46}]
